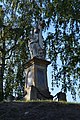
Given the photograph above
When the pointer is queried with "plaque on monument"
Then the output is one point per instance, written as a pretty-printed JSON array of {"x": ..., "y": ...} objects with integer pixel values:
[{"x": 40, "y": 77}]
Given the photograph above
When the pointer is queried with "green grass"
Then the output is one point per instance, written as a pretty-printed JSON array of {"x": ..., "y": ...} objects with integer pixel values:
[
  {"x": 44, "y": 101},
  {"x": 64, "y": 102}
]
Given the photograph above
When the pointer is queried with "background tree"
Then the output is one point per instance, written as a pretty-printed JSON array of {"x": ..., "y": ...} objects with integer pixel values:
[
  {"x": 13, "y": 49},
  {"x": 62, "y": 44}
]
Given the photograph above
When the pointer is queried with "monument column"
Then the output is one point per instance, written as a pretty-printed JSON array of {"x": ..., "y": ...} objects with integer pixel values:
[{"x": 36, "y": 86}]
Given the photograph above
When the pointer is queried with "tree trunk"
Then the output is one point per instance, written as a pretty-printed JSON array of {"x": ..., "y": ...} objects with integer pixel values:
[
  {"x": 1, "y": 83},
  {"x": 2, "y": 66}
]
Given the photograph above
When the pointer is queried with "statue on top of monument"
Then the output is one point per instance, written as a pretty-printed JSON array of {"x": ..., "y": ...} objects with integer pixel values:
[{"x": 36, "y": 46}]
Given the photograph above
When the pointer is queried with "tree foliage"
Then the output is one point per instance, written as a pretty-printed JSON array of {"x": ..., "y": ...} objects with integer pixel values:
[{"x": 62, "y": 43}]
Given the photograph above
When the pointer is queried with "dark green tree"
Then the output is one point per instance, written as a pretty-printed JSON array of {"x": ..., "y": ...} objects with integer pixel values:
[
  {"x": 62, "y": 43},
  {"x": 13, "y": 48}
]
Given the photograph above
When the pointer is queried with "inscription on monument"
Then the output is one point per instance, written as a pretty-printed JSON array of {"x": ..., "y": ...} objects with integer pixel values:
[{"x": 40, "y": 75}]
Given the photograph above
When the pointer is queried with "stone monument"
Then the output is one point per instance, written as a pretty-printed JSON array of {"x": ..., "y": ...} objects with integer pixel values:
[{"x": 36, "y": 86}]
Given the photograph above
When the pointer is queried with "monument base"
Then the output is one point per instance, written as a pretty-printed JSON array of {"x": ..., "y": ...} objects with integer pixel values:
[{"x": 36, "y": 86}]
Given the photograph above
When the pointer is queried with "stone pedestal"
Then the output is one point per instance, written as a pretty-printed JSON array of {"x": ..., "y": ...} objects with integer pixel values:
[{"x": 36, "y": 86}]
